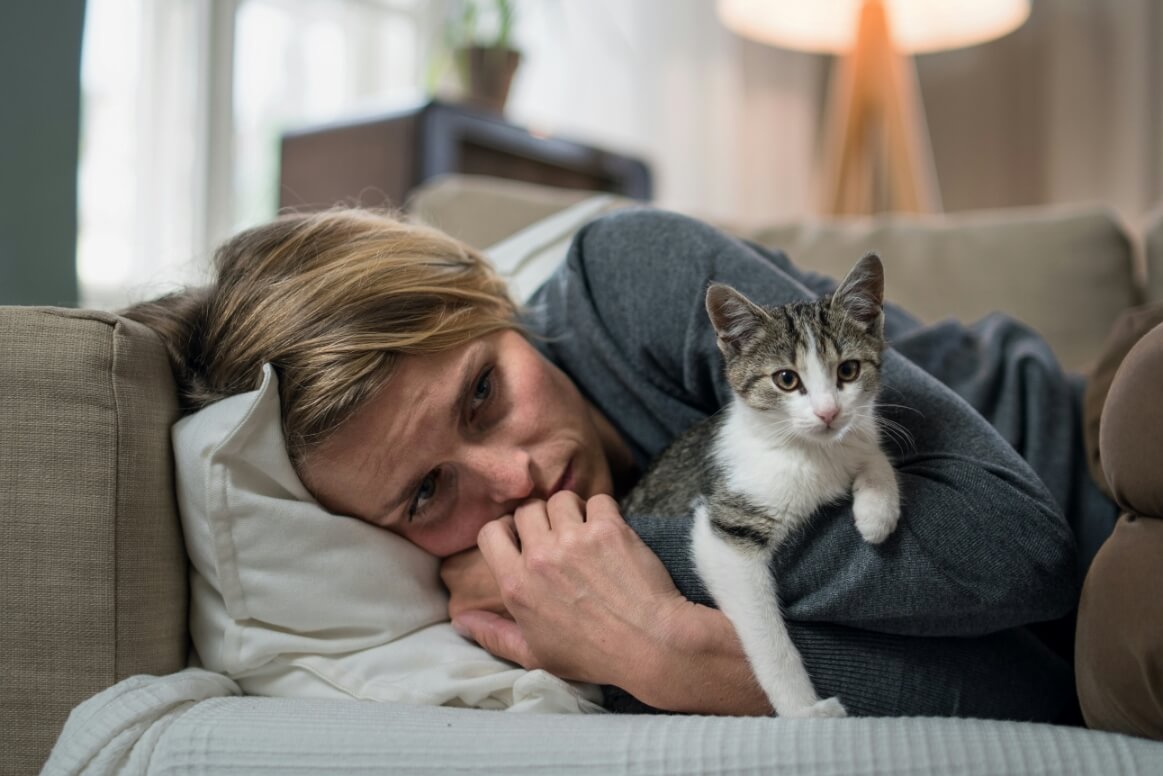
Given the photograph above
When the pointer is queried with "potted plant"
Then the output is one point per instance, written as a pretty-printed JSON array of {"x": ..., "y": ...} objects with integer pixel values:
[{"x": 485, "y": 57}]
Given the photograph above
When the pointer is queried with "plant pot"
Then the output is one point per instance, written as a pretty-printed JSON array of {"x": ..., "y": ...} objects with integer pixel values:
[{"x": 487, "y": 74}]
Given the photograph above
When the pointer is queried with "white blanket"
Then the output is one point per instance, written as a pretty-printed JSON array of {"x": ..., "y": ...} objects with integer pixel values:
[
  {"x": 189, "y": 724},
  {"x": 115, "y": 731}
]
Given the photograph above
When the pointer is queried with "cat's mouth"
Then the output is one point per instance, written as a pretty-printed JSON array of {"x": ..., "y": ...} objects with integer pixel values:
[{"x": 830, "y": 431}]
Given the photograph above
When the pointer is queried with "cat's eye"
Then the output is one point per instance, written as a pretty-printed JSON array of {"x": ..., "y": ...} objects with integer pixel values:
[
  {"x": 848, "y": 371},
  {"x": 786, "y": 380}
]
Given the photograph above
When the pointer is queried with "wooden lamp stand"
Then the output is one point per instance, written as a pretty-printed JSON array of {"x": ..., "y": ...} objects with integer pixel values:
[{"x": 876, "y": 154}]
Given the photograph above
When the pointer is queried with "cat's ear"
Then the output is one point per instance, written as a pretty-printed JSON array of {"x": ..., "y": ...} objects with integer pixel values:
[
  {"x": 861, "y": 293},
  {"x": 735, "y": 317}
]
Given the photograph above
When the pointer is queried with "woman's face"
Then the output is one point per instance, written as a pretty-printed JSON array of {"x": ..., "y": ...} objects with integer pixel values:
[{"x": 459, "y": 438}]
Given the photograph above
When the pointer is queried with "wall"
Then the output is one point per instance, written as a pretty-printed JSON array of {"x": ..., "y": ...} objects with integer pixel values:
[
  {"x": 40, "y": 61},
  {"x": 1068, "y": 108},
  {"x": 728, "y": 126}
]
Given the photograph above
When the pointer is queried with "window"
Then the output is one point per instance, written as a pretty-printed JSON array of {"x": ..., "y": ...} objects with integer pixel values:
[{"x": 183, "y": 105}]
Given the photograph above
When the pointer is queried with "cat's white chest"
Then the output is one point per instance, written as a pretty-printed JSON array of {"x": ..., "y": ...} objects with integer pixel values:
[{"x": 790, "y": 480}]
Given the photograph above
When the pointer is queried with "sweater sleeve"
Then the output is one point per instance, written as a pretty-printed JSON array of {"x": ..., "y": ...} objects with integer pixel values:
[{"x": 982, "y": 545}]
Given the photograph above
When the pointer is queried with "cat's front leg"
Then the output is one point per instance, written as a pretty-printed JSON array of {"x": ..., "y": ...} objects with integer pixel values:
[
  {"x": 739, "y": 579},
  {"x": 876, "y": 501}
]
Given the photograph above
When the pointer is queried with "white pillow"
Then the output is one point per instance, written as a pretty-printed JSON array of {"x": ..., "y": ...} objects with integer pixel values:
[{"x": 290, "y": 600}]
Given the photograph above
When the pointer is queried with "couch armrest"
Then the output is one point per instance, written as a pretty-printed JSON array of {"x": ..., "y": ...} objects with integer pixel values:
[{"x": 92, "y": 566}]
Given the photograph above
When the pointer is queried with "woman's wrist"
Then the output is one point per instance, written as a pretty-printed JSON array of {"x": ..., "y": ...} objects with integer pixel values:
[{"x": 696, "y": 665}]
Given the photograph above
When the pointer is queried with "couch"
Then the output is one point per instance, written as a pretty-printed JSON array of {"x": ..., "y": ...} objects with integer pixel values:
[{"x": 93, "y": 570}]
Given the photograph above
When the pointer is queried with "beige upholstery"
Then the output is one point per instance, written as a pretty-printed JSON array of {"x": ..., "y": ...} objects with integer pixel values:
[
  {"x": 1153, "y": 242},
  {"x": 92, "y": 567},
  {"x": 1067, "y": 272},
  {"x": 482, "y": 211}
]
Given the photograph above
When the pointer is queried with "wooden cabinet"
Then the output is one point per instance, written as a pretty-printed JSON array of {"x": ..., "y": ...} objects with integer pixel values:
[{"x": 378, "y": 160}]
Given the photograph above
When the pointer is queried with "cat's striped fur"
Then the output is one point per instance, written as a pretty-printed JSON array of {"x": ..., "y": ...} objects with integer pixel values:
[{"x": 801, "y": 432}]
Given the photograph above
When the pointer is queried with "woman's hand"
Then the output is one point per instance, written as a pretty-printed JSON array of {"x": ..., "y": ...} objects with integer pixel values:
[
  {"x": 471, "y": 584},
  {"x": 587, "y": 595},
  {"x": 591, "y": 602}
]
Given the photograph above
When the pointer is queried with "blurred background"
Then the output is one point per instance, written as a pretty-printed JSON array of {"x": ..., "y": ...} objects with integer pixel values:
[{"x": 137, "y": 134}]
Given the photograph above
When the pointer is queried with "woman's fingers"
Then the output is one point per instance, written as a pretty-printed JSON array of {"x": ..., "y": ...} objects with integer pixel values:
[
  {"x": 531, "y": 520},
  {"x": 590, "y": 601},
  {"x": 565, "y": 508},
  {"x": 470, "y": 583},
  {"x": 498, "y": 636},
  {"x": 603, "y": 507},
  {"x": 499, "y": 542},
  {"x": 535, "y": 518}
]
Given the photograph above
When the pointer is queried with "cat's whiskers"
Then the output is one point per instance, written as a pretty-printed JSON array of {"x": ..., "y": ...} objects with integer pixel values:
[
  {"x": 883, "y": 405},
  {"x": 894, "y": 430},
  {"x": 901, "y": 434}
]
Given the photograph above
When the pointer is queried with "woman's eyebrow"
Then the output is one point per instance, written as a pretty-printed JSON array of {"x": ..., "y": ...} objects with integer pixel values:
[
  {"x": 465, "y": 386},
  {"x": 466, "y": 382}
]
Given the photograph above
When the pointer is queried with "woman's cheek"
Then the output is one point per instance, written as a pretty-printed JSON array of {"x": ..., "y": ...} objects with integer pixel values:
[{"x": 447, "y": 537}]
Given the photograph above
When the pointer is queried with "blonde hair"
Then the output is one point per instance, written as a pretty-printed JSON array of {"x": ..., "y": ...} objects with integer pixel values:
[{"x": 332, "y": 300}]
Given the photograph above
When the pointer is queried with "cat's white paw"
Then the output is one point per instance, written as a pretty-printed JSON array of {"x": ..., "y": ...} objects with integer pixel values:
[
  {"x": 826, "y": 708},
  {"x": 876, "y": 513}
]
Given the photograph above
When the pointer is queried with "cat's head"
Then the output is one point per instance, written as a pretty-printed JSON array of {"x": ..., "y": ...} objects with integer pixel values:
[{"x": 812, "y": 367}]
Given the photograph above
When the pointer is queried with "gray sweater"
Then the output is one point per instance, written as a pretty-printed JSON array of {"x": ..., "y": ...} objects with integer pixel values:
[{"x": 932, "y": 622}]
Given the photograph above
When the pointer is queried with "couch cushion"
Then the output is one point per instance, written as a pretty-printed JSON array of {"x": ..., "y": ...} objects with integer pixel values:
[
  {"x": 92, "y": 568},
  {"x": 1067, "y": 272},
  {"x": 1153, "y": 239},
  {"x": 482, "y": 211}
]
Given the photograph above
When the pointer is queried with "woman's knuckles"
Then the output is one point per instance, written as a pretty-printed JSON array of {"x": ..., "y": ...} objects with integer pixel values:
[
  {"x": 514, "y": 590},
  {"x": 603, "y": 505},
  {"x": 547, "y": 561},
  {"x": 565, "y": 500}
]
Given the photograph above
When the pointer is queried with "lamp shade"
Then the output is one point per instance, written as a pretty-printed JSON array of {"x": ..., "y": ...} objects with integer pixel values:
[{"x": 917, "y": 26}]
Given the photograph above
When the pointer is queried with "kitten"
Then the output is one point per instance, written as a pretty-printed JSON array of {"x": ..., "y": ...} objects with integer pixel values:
[{"x": 801, "y": 432}]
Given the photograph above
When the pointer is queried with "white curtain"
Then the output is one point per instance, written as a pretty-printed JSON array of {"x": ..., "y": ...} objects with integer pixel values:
[{"x": 184, "y": 103}]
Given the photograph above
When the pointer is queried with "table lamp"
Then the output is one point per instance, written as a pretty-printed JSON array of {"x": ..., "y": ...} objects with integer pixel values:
[{"x": 876, "y": 154}]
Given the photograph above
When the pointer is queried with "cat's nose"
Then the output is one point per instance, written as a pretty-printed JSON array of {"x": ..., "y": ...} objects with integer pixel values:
[{"x": 828, "y": 414}]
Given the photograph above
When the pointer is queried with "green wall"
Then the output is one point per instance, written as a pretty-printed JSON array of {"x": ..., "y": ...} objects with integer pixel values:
[{"x": 40, "y": 97}]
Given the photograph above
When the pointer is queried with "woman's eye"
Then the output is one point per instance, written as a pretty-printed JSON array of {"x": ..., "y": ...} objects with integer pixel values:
[
  {"x": 848, "y": 371},
  {"x": 483, "y": 390},
  {"x": 786, "y": 380},
  {"x": 424, "y": 494}
]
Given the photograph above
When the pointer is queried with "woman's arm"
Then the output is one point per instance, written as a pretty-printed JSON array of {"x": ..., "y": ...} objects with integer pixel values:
[
  {"x": 982, "y": 546},
  {"x": 592, "y": 603}
]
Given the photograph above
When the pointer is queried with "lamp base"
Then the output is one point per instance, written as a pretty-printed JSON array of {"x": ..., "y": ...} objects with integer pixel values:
[{"x": 877, "y": 156}]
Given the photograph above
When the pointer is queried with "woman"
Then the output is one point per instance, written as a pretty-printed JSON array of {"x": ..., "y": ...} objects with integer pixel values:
[{"x": 413, "y": 399}]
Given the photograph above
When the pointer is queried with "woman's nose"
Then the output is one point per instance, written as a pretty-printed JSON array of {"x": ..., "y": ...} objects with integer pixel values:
[{"x": 507, "y": 473}]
